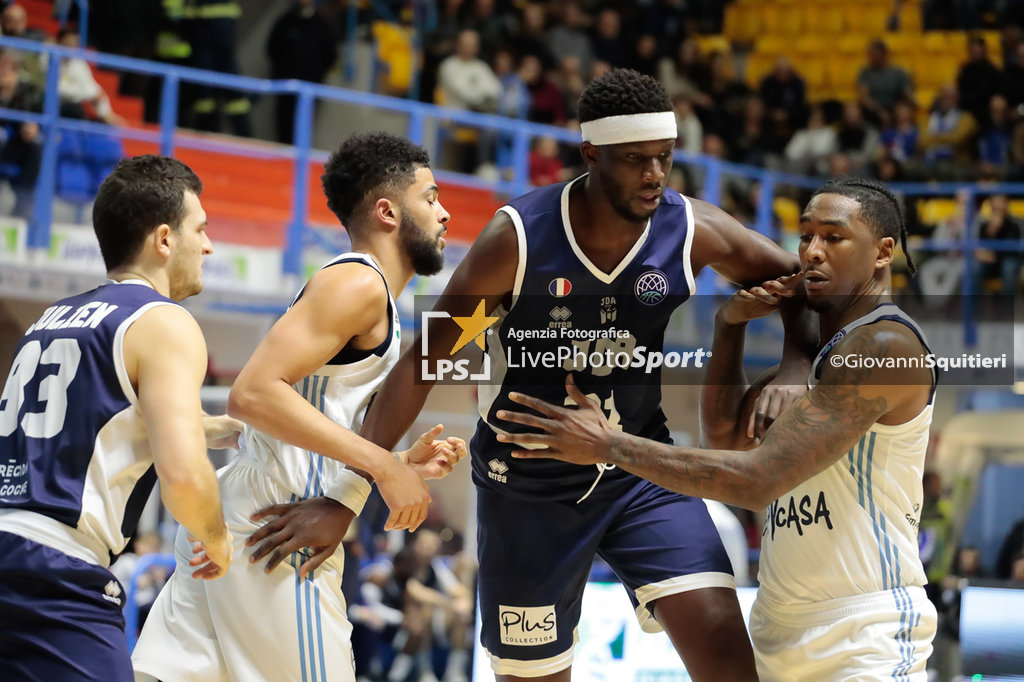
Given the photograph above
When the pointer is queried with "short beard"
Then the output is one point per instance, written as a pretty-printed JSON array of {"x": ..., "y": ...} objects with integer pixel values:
[
  {"x": 427, "y": 258},
  {"x": 613, "y": 191}
]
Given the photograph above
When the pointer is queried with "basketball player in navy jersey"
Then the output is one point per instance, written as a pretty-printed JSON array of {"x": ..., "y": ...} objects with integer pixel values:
[
  {"x": 615, "y": 245},
  {"x": 302, "y": 395},
  {"x": 841, "y": 592},
  {"x": 103, "y": 397}
]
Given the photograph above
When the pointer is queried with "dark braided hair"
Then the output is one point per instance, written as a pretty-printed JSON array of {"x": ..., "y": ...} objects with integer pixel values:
[
  {"x": 367, "y": 166},
  {"x": 879, "y": 207},
  {"x": 621, "y": 92}
]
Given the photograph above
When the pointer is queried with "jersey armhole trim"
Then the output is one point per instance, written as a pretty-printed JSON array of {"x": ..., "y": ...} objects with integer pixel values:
[
  {"x": 119, "y": 366},
  {"x": 517, "y": 221},
  {"x": 687, "y": 245}
]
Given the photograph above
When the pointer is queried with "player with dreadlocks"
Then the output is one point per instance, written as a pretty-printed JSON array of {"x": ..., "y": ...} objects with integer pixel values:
[{"x": 841, "y": 592}]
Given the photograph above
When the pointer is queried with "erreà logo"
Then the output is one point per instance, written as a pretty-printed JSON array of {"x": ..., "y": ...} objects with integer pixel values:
[{"x": 473, "y": 329}]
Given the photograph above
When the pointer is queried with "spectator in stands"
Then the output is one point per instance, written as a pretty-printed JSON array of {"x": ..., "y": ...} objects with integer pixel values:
[
  {"x": 465, "y": 80},
  {"x": 1013, "y": 80},
  {"x": 149, "y": 583},
  {"x": 571, "y": 82},
  {"x": 569, "y": 37},
  {"x": 14, "y": 22},
  {"x": 438, "y": 45},
  {"x": 856, "y": 138},
  {"x": 491, "y": 25},
  {"x": 666, "y": 21},
  {"x": 809, "y": 149},
  {"x": 545, "y": 164},
  {"x": 213, "y": 28},
  {"x": 900, "y": 137},
  {"x": 645, "y": 58},
  {"x": 547, "y": 104},
  {"x": 935, "y": 534},
  {"x": 608, "y": 41},
  {"x": 513, "y": 102},
  {"x": 21, "y": 153},
  {"x": 302, "y": 45},
  {"x": 977, "y": 80},
  {"x": 682, "y": 73},
  {"x": 948, "y": 139},
  {"x": 880, "y": 84},
  {"x": 80, "y": 95},
  {"x": 955, "y": 15},
  {"x": 940, "y": 273},
  {"x": 532, "y": 34},
  {"x": 783, "y": 90},
  {"x": 1009, "y": 552},
  {"x": 728, "y": 98},
  {"x": 691, "y": 132},
  {"x": 995, "y": 138},
  {"x": 1001, "y": 266}
]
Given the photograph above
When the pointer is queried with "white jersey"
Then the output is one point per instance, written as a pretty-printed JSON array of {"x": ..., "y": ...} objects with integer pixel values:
[
  {"x": 851, "y": 529},
  {"x": 342, "y": 390}
]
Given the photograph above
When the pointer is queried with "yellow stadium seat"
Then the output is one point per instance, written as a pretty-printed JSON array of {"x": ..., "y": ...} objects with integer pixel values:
[
  {"x": 853, "y": 45},
  {"x": 910, "y": 18},
  {"x": 814, "y": 73},
  {"x": 758, "y": 66},
  {"x": 935, "y": 70},
  {"x": 810, "y": 45},
  {"x": 842, "y": 70},
  {"x": 925, "y": 99},
  {"x": 903, "y": 43},
  {"x": 934, "y": 211},
  {"x": 867, "y": 19},
  {"x": 769, "y": 19},
  {"x": 824, "y": 19},
  {"x": 394, "y": 50},
  {"x": 715, "y": 43},
  {"x": 742, "y": 22},
  {"x": 791, "y": 20},
  {"x": 774, "y": 45},
  {"x": 788, "y": 212}
]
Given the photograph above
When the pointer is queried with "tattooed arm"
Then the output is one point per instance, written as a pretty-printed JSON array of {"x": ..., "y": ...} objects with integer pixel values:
[{"x": 823, "y": 425}]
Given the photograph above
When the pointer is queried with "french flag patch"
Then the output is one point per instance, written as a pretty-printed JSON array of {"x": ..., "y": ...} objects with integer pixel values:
[{"x": 560, "y": 287}]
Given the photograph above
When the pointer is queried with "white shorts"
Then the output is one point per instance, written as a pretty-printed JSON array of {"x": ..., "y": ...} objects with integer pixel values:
[
  {"x": 881, "y": 636},
  {"x": 247, "y": 625}
]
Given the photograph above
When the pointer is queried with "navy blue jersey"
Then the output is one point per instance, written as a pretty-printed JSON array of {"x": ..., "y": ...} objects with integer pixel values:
[
  {"x": 73, "y": 450},
  {"x": 563, "y": 301}
]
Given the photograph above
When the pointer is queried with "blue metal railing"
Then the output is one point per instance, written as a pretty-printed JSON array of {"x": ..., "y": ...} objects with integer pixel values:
[
  {"x": 515, "y": 181},
  {"x": 64, "y": 7}
]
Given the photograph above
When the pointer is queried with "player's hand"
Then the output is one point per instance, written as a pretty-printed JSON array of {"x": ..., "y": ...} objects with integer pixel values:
[
  {"x": 405, "y": 493},
  {"x": 319, "y": 523},
  {"x": 580, "y": 435},
  {"x": 222, "y": 431},
  {"x": 211, "y": 558},
  {"x": 758, "y": 301},
  {"x": 774, "y": 399},
  {"x": 434, "y": 458}
]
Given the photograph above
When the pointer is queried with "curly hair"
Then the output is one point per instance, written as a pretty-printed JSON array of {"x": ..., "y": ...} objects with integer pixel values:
[
  {"x": 879, "y": 207},
  {"x": 621, "y": 92},
  {"x": 140, "y": 194},
  {"x": 366, "y": 167}
]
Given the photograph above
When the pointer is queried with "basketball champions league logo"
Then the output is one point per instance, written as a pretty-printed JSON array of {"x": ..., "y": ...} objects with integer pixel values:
[
  {"x": 474, "y": 328},
  {"x": 651, "y": 287}
]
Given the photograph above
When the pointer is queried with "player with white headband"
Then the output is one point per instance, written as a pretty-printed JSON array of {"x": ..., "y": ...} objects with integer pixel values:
[{"x": 612, "y": 248}]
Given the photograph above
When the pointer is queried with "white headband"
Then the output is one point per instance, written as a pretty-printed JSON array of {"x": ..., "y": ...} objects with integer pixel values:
[{"x": 630, "y": 128}]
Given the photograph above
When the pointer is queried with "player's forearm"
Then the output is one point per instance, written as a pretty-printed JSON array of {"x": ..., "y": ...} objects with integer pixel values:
[
  {"x": 800, "y": 324},
  {"x": 397, "y": 404},
  {"x": 725, "y": 384},
  {"x": 191, "y": 495},
  {"x": 729, "y": 476},
  {"x": 278, "y": 411}
]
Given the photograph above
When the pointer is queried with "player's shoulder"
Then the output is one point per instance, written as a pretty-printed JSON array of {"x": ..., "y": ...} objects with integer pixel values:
[
  {"x": 541, "y": 201},
  {"x": 349, "y": 277}
]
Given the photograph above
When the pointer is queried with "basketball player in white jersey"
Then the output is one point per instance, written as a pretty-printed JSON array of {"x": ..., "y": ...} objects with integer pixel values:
[
  {"x": 302, "y": 393},
  {"x": 841, "y": 594},
  {"x": 102, "y": 397}
]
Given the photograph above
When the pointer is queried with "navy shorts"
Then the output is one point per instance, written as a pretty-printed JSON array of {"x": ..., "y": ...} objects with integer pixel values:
[
  {"x": 535, "y": 557},
  {"x": 60, "y": 617}
]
